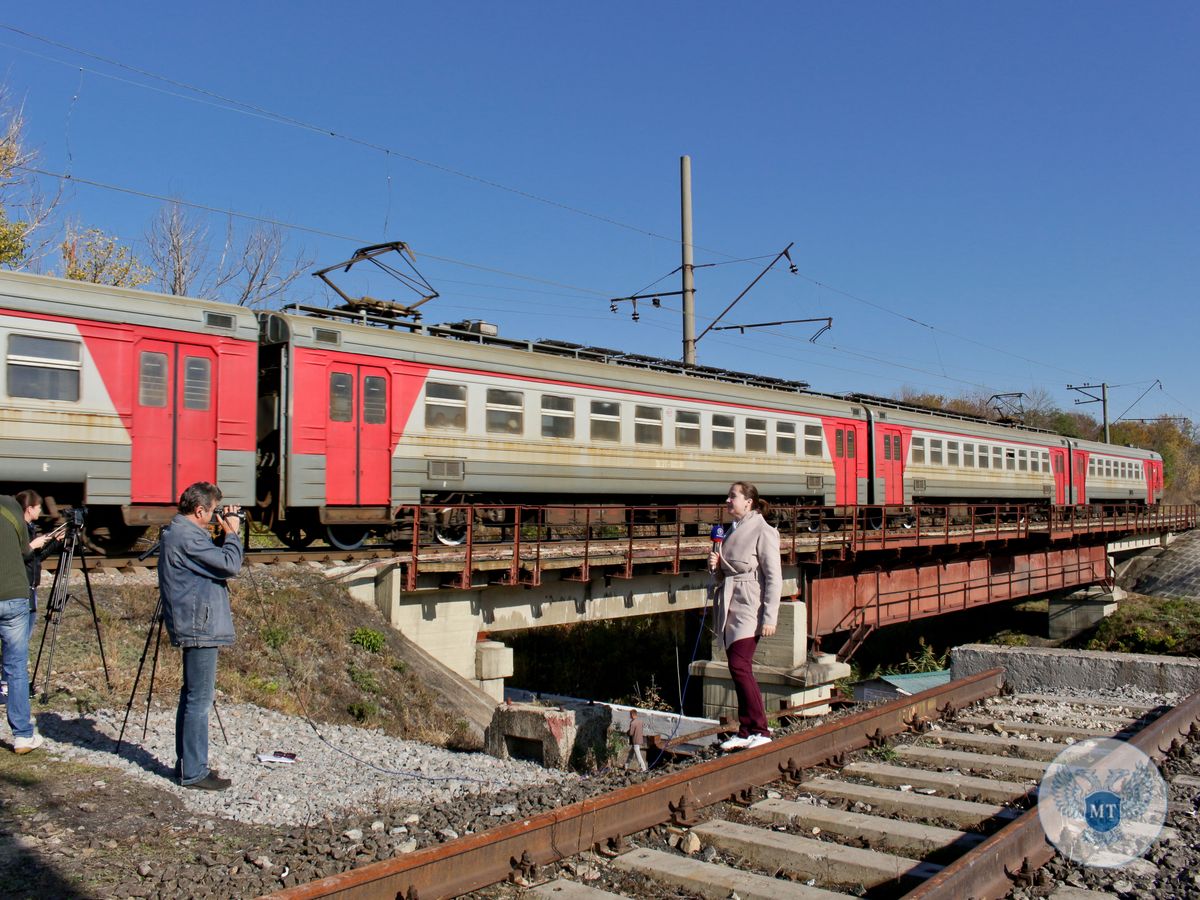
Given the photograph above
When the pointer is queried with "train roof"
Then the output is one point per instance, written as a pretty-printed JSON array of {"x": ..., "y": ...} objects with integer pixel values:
[
  {"x": 63, "y": 297},
  {"x": 464, "y": 332}
]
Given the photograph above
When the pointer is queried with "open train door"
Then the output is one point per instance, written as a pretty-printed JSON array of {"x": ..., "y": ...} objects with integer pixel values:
[
  {"x": 1058, "y": 465},
  {"x": 174, "y": 420},
  {"x": 358, "y": 458}
]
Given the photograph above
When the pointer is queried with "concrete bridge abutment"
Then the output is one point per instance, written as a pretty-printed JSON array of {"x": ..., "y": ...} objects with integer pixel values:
[{"x": 464, "y": 628}]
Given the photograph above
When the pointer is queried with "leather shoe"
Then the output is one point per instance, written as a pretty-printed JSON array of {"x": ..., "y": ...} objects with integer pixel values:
[{"x": 210, "y": 782}]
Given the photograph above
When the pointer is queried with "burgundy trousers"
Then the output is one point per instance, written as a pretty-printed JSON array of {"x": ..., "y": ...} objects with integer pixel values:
[{"x": 752, "y": 717}]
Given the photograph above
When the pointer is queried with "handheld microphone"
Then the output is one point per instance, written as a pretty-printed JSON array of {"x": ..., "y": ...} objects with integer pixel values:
[{"x": 717, "y": 536}]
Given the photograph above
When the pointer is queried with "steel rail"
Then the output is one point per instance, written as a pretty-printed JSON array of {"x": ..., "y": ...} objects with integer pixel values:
[
  {"x": 482, "y": 859},
  {"x": 1020, "y": 848}
]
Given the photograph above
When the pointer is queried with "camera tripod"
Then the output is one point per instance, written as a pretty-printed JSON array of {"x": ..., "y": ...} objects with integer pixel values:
[
  {"x": 154, "y": 631},
  {"x": 59, "y": 597}
]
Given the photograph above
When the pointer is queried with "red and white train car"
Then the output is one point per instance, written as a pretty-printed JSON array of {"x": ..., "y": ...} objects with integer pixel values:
[{"x": 119, "y": 399}]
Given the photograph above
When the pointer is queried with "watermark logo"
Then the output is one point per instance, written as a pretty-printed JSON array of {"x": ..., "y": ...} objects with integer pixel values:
[{"x": 1102, "y": 802}]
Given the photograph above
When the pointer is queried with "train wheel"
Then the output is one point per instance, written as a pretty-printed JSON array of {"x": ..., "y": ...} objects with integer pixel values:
[
  {"x": 111, "y": 538},
  {"x": 451, "y": 527},
  {"x": 346, "y": 537},
  {"x": 295, "y": 535}
]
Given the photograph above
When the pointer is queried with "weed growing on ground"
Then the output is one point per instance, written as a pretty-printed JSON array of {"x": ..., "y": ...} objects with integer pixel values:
[{"x": 369, "y": 639}]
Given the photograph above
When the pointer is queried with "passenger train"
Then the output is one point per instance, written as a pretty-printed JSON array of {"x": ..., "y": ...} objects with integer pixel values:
[{"x": 334, "y": 423}]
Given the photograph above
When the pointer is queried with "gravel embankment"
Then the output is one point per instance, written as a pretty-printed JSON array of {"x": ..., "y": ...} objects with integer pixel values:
[{"x": 351, "y": 770}]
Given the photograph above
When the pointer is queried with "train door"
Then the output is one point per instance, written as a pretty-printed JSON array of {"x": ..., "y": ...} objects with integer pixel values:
[
  {"x": 1079, "y": 461},
  {"x": 843, "y": 438},
  {"x": 1058, "y": 465},
  {"x": 358, "y": 459},
  {"x": 174, "y": 420},
  {"x": 1153, "y": 470},
  {"x": 889, "y": 463}
]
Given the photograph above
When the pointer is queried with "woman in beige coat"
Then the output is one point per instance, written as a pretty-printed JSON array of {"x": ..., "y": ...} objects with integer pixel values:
[{"x": 749, "y": 584}]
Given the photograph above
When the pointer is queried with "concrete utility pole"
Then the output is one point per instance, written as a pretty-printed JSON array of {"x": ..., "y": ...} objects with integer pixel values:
[
  {"x": 1102, "y": 400},
  {"x": 689, "y": 275}
]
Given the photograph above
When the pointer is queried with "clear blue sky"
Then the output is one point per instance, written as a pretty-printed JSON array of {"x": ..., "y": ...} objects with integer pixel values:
[{"x": 1019, "y": 178}]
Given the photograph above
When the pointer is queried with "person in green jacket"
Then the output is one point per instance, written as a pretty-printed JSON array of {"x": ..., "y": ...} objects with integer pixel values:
[{"x": 14, "y": 622}]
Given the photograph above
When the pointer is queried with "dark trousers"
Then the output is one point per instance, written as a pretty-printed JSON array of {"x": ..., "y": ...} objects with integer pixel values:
[
  {"x": 191, "y": 719},
  {"x": 752, "y": 717}
]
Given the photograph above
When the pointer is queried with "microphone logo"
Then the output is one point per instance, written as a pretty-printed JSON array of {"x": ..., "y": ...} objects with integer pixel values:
[{"x": 717, "y": 536}]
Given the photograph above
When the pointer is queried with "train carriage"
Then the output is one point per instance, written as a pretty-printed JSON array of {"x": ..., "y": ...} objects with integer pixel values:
[
  {"x": 119, "y": 399},
  {"x": 475, "y": 419},
  {"x": 1108, "y": 475}
]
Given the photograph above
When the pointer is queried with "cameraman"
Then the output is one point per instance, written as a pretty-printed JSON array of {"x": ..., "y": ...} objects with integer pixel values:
[
  {"x": 192, "y": 570},
  {"x": 14, "y": 623}
]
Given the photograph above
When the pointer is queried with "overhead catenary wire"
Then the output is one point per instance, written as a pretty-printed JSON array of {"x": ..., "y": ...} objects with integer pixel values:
[{"x": 233, "y": 104}]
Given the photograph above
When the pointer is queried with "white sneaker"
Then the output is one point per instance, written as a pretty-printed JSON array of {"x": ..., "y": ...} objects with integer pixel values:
[
  {"x": 757, "y": 740},
  {"x": 24, "y": 745},
  {"x": 735, "y": 743}
]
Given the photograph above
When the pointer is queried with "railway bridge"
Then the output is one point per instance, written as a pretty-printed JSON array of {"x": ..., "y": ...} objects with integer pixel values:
[{"x": 864, "y": 569}]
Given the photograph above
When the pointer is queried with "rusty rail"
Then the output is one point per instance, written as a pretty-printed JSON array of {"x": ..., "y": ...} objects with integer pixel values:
[
  {"x": 1021, "y": 847},
  {"x": 476, "y": 861}
]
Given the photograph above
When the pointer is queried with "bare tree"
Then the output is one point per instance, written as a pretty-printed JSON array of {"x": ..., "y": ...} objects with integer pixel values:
[
  {"x": 255, "y": 272},
  {"x": 178, "y": 246},
  {"x": 24, "y": 209},
  {"x": 251, "y": 270}
]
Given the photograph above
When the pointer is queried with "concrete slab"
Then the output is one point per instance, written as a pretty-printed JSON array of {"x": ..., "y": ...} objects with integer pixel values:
[
  {"x": 1046, "y": 669},
  {"x": 1066, "y": 892},
  {"x": 945, "y": 783},
  {"x": 1010, "y": 726},
  {"x": 562, "y": 889},
  {"x": 926, "y": 807},
  {"x": 910, "y": 838},
  {"x": 1029, "y": 749},
  {"x": 715, "y": 882},
  {"x": 828, "y": 862},
  {"x": 966, "y": 761}
]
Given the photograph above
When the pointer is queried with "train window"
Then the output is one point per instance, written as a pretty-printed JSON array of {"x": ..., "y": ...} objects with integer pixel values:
[
  {"x": 997, "y": 458},
  {"x": 887, "y": 447},
  {"x": 1058, "y": 463},
  {"x": 785, "y": 438},
  {"x": 723, "y": 437},
  {"x": 812, "y": 440},
  {"x": 952, "y": 453},
  {"x": 918, "y": 451},
  {"x": 197, "y": 382},
  {"x": 647, "y": 425},
  {"x": 152, "y": 379},
  {"x": 984, "y": 455},
  {"x": 1010, "y": 460},
  {"x": 341, "y": 397},
  {"x": 374, "y": 400},
  {"x": 850, "y": 432},
  {"x": 687, "y": 429},
  {"x": 935, "y": 452},
  {"x": 505, "y": 411},
  {"x": 839, "y": 450},
  {"x": 558, "y": 417},
  {"x": 1092, "y": 466},
  {"x": 1023, "y": 460},
  {"x": 1045, "y": 462},
  {"x": 43, "y": 368},
  {"x": 756, "y": 435},
  {"x": 446, "y": 406},
  {"x": 969, "y": 455},
  {"x": 606, "y": 420}
]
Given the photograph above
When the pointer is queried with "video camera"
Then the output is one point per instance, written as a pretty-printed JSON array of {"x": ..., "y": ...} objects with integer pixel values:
[{"x": 73, "y": 516}]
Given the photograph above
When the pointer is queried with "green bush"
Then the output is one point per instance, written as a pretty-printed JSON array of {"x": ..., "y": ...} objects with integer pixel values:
[
  {"x": 369, "y": 639},
  {"x": 364, "y": 679},
  {"x": 363, "y": 711},
  {"x": 274, "y": 636}
]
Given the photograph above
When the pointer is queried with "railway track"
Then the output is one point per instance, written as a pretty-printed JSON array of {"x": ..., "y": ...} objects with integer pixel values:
[{"x": 941, "y": 805}]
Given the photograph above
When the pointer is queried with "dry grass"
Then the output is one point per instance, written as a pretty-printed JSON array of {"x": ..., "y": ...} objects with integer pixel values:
[{"x": 294, "y": 654}]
